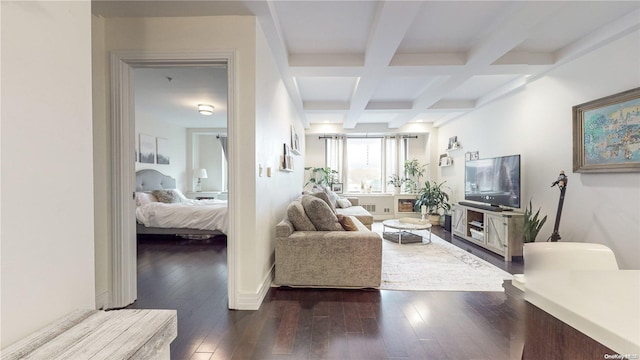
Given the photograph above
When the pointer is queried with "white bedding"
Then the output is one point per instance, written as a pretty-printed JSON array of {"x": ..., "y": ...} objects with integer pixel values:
[{"x": 192, "y": 214}]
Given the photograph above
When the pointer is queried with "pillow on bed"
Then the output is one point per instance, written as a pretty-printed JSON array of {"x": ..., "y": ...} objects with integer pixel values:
[
  {"x": 166, "y": 196},
  {"x": 143, "y": 198},
  {"x": 179, "y": 194}
]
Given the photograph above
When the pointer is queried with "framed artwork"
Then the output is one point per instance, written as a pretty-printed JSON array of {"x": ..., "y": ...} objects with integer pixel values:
[
  {"x": 286, "y": 159},
  {"x": 336, "y": 188},
  {"x": 474, "y": 155},
  {"x": 606, "y": 134},
  {"x": 147, "y": 149},
  {"x": 162, "y": 147},
  {"x": 295, "y": 141},
  {"x": 453, "y": 143}
]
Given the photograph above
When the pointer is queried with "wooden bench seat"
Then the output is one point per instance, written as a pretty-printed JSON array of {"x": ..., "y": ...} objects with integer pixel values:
[{"x": 96, "y": 334}]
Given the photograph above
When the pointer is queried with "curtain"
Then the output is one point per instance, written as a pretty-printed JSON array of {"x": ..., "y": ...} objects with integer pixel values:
[{"x": 223, "y": 143}]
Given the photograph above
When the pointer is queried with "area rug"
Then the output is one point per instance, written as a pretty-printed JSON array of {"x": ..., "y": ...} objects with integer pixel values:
[{"x": 438, "y": 266}]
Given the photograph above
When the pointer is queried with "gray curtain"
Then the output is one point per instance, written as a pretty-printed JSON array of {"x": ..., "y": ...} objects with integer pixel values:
[{"x": 223, "y": 142}]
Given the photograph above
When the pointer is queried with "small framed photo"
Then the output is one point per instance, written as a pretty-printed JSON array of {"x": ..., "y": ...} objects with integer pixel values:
[
  {"x": 336, "y": 188},
  {"x": 453, "y": 143},
  {"x": 475, "y": 155}
]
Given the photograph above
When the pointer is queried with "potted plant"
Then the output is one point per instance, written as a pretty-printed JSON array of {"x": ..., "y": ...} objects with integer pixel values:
[
  {"x": 323, "y": 176},
  {"x": 532, "y": 224},
  {"x": 413, "y": 171},
  {"x": 397, "y": 182},
  {"x": 434, "y": 197}
]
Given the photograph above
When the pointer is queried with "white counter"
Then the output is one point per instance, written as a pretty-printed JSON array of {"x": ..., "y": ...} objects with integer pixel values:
[{"x": 604, "y": 305}]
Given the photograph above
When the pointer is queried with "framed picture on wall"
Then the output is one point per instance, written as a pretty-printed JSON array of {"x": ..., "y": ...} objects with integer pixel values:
[
  {"x": 295, "y": 141},
  {"x": 162, "y": 147},
  {"x": 336, "y": 188},
  {"x": 147, "y": 149},
  {"x": 605, "y": 134}
]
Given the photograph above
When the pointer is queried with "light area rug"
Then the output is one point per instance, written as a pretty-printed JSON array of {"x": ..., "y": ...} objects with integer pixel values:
[{"x": 438, "y": 266}]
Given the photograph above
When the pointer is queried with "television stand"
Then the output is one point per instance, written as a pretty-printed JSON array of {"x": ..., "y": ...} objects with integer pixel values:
[
  {"x": 481, "y": 206},
  {"x": 501, "y": 232}
]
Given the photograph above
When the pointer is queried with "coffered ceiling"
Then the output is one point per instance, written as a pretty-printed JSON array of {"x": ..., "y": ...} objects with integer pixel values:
[{"x": 393, "y": 62}]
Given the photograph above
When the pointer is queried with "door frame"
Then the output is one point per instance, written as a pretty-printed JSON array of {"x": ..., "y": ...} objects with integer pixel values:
[{"x": 123, "y": 224}]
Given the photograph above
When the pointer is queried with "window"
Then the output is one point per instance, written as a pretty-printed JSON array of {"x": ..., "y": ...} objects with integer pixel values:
[{"x": 364, "y": 164}]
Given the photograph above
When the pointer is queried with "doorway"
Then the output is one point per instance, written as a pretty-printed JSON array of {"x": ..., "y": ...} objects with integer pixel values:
[{"x": 123, "y": 242}]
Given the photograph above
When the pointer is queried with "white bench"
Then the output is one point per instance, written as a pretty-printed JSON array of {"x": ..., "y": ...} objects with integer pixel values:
[{"x": 96, "y": 334}]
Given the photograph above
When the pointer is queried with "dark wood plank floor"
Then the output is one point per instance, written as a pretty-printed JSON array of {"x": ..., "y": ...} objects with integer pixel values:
[{"x": 191, "y": 276}]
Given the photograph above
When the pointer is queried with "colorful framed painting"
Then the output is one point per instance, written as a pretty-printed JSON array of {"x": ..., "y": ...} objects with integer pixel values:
[{"x": 606, "y": 134}]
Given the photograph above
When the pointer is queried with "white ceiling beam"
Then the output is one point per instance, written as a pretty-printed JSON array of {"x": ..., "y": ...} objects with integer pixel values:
[
  {"x": 511, "y": 28},
  {"x": 429, "y": 59},
  {"x": 604, "y": 35},
  {"x": 388, "y": 105},
  {"x": 453, "y": 104},
  {"x": 326, "y": 106},
  {"x": 266, "y": 13},
  {"x": 385, "y": 37},
  {"x": 324, "y": 60}
]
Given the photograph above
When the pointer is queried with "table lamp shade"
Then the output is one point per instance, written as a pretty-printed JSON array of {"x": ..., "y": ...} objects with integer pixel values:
[{"x": 200, "y": 173}]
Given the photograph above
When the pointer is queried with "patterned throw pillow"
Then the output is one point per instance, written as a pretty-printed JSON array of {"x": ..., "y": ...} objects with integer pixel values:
[
  {"x": 320, "y": 214},
  {"x": 299, "y": 219},
  {"x": 166, "y": 196}
]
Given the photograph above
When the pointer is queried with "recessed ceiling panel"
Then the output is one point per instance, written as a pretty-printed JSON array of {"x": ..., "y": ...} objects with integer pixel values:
[
  {"x": 325, "y": 26},
  {"x": 326, "y": 88},
  {"x": 374, "y": 117},
  {"x": 477, "y": 86},
  {"x": 325, "y": 118},
  {"x": 443, "y": 26},
  {"x": 405, "y": 88}
]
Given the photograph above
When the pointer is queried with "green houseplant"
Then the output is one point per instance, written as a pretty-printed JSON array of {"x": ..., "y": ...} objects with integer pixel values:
[
  {"x": 397, "y": 182},
  {"x": 532, "y": 224},
  {"x": 434, "y": 197},
  {"x": 323, "y": 176},
  {"x": 413, "y": 171}
]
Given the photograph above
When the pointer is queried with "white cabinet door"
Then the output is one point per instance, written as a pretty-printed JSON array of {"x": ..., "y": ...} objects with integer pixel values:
[
  {"x": 459, "y": 220},
  {"x": 496, "y": 233}
]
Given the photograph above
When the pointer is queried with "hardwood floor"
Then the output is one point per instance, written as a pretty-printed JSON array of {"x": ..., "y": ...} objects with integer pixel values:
[{"x": 191, "y": 276}]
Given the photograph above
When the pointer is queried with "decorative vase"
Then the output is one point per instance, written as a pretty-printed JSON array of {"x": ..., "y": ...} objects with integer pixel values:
[{"x": 396, "y": 191}]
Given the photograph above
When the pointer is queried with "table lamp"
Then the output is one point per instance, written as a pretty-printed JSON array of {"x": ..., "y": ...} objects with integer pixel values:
[{"x": 199, "y": 174}]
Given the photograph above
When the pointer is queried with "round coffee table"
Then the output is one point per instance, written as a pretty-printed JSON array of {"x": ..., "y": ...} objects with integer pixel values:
[{"x": 407, "y": 226}]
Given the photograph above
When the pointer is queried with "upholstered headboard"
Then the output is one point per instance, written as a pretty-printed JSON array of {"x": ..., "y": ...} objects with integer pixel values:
[{"x": 147, "y": 180}]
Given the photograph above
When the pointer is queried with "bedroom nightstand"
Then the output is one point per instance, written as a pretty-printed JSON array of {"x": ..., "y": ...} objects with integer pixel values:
[{"x": 201, "y": 195}]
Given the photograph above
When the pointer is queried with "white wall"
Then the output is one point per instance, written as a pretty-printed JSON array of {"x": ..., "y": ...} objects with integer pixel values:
[
  {"x": 537, "y": 123},
  {"x": 260, "y": 133},
  {"x": 274, "y": 116},
  {"x": 176, "y": 145},
  {"x": 47, "y": 163}
]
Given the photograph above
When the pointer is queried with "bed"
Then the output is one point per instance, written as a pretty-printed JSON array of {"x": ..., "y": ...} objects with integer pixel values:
[{"x": 171, "y": 216}]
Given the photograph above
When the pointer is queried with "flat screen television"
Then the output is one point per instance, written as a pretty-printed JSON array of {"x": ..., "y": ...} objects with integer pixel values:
[{"x": 493, "y": 181}]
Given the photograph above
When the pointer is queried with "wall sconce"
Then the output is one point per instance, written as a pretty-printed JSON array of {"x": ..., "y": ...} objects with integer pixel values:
[{"x": 205, "y": 109}]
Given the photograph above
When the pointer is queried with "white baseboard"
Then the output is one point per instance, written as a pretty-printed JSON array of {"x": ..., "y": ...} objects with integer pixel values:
[{"x": 253, "y": 300}]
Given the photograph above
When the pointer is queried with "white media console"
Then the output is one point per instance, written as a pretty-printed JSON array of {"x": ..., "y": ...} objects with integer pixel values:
[{"x": 498, "y": 231}]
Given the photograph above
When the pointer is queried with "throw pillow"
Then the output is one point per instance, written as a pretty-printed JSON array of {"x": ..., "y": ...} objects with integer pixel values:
[
  {"x": 320, "y": 214},
  {"x": 333, "y": 197},
  {"x": 325, "y": 198},
  {"x": 299, "y": 219},
  {"x": 344, "y": 203},
  {"x": 178, "y": 194},
  {"x": 347, "y": 223},
  {"x": 143, "y": 198},
  {"x": 166, "y": 196}
]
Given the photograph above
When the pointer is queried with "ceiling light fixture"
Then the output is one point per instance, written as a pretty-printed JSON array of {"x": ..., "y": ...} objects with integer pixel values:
[{"x": 205, "y": 109}]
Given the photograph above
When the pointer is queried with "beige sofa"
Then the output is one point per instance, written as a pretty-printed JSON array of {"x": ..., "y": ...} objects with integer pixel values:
[
  {"x": 359, "y": 212},
  {"x": 320, "y": 258}
]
